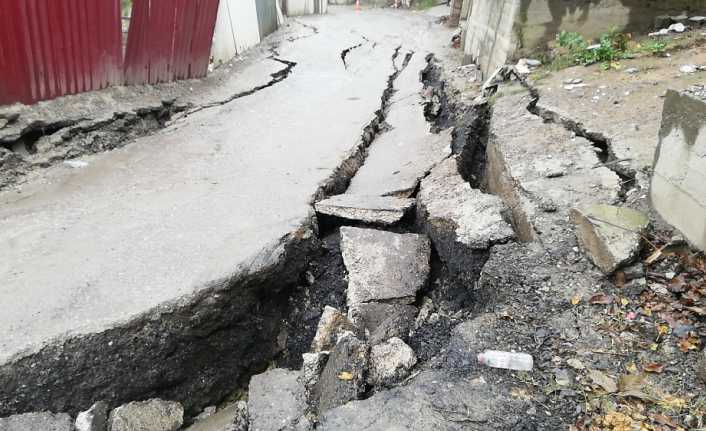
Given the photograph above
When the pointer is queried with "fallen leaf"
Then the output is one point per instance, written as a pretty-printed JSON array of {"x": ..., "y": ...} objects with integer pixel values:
[
  {"x": 603, "y": 380},
  {"x": 600, "y": 299},
  {"x": 672, "y": 402},
  {"x": 653, "y": 368},
  {"x": 631, "y": 382},
  {"x": 690, "y": 343},
  {"x": 624, "y": 301},
  {"x": 677, "y": 284},
  {"x": 663, "y": 329},
  {"x": 664, "y": 420},
  {"x": 631, "y": 367},
  {"x": 575, "y": 300},
  {"x": 345, "y": 376}
]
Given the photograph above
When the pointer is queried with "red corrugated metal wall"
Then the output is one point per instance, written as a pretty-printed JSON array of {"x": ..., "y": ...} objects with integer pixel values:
[
  {"x": 49, "y": 48},
  {"x": 169, "y": 39}
]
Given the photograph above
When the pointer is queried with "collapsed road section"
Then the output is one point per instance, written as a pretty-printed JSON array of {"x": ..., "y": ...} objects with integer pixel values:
[{"x": 153, "y": 272}]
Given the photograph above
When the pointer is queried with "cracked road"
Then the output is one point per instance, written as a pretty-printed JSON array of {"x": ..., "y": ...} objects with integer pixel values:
[{"x": 204, "y": 200}]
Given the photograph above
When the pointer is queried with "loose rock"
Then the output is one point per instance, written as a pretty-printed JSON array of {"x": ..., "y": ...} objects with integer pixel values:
[
  {"x": 313, "y": 365},
  {"x": 151, "y": 415},
  {"x": 382, "y": 210},
  {"x": 432, "y": 401},
  {"x": 44, "y": 421},
  {"x": 331, "y": 325},
  {"x": 276, "y": 400},
  {"x": 390, "y": 362},
  {"x": 609, "y": 235},
  {"x": 381, "y": 318},
  {"x": 462, "y": 222},
  {"x": 343, "y": 378},
  {"x": 231, "y": 418},
  {"x": 93, "y": 419},
  {"x": 384, "y": 266}
]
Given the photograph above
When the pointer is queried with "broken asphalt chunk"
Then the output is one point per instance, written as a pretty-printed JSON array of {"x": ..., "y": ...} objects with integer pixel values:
[
  {"x": 609, "y": 235},
  {"x": 381, "y": 210},
  {"x": 150, "y": 415},
  {"x": 462, "y": 222},
  {"x": 384, "y": 266},
  {"x": 44, "y": 421},
  {"x": 276, "y": 400},
  {"x": 343, "y": 378}
]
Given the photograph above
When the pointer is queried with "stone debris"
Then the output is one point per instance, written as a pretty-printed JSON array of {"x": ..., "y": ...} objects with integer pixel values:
[
  {"x": 331, "y": 325},
  {"x": 382, "y": 210},
  {"x": 233, "y": 417},
  {"x": 276, "y": 400},
  {"x": 382, "y": 321},
  {"x": 343, "y": 378},
  {"x": 44, "y": 421},
  {"x": 390, "y": 362},
  {"x": 462, "y": 222},
  {"x": 150, "y": 415},
  {"x": 384, "y": 266},
  {"x": 525, "y": 66},
  {"x": 609, "y": 235},
  {"x": 312, "y": 366},
  {"x": 688, "y": 68},
  {"x": 93, "y": 419},
  {"x": 431, "y": 401}
]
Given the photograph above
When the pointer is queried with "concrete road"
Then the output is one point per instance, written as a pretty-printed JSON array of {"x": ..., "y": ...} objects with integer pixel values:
[{"x": 152, "y": 224}]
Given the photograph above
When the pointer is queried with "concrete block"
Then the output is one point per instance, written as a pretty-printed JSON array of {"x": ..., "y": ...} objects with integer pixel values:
[
  {"x": 276, "y": 400},
  {"x": 383, "y": 210},
  {"x": 44, "y": 421},
  {"x": 678, "y": 190},
  {"x": 609, "y": 235},
  {"x": 150, "y": 415},
  {"x": 384, "y": 266}
]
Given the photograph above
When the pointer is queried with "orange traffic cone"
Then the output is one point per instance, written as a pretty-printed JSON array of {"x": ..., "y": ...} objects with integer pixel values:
[{"x": 357, "y": 5}]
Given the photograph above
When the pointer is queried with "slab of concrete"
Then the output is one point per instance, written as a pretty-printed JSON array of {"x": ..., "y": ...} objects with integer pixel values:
[
  {"x": 159, "y": 251},
  {"x": 462, "y": 222},
  {"x": 231, "y": 418},
  {"x": 381, "y": 210},
  {"x": 384, "y": 266},
  {"x": 520, "y": 147},
  {"x": 403, "y": 155},
  {"x": 37, "y": 421},
  {"x": 150, "y": 415},
  {"x": 678, "y": 190},
  {"x": 611, "y": 236},
  {"x": 276, "y": 400},
  {"x": 432, "y": 401}
]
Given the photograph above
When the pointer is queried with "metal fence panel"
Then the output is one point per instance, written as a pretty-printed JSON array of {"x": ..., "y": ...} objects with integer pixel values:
[
  {"x": 51, "y": 48},
  {"x": 169, "y": 40}
]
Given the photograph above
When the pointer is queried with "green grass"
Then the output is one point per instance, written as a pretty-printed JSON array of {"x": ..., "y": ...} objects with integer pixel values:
[{"x": 424, "y": 4}]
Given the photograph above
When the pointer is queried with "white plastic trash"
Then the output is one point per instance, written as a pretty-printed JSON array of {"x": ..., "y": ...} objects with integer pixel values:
[{"x": 506, "y": 360}]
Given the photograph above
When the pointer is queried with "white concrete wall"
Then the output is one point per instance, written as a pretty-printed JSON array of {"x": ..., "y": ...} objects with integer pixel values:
[
  {"x": 305, "y": 7},
  {"x": 236, "y": 29},
  {"x": 490, "y": 37},
  {"x": 678, "y": 190}
]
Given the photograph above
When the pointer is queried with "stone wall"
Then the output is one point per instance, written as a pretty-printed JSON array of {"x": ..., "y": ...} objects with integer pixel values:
[
  {"x": 678, "y": 191},
  {"x": 500, "y": 31}
]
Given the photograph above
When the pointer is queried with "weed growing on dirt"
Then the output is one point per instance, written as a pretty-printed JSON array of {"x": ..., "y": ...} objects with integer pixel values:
[
  {"x": 425, "y": 4},
  {"x": 612, "y": 46}
]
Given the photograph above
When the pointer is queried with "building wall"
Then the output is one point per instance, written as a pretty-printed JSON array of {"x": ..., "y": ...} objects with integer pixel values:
[
  {"x": 517, "y": 28},
  {"x": 305, "y": 7},
  {"x": 237, "y": 29},
  {"x": 677, "y": 190}
]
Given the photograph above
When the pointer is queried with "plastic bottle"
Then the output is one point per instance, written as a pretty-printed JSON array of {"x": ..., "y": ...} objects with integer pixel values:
[{"x": 506, "y": 360}]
